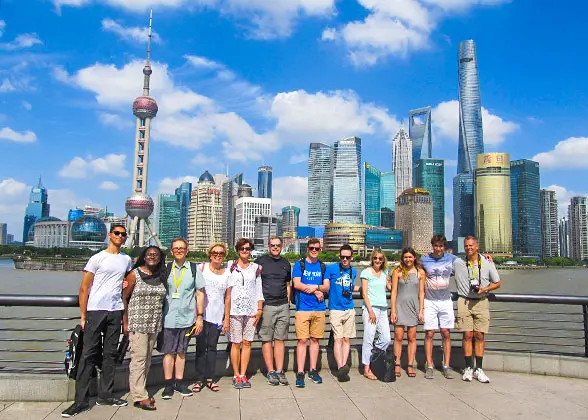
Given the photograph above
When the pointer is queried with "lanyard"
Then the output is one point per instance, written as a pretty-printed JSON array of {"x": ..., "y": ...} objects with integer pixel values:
[
  {"x": 182, "y": 272},
  {"x": 475, "y": 270}
]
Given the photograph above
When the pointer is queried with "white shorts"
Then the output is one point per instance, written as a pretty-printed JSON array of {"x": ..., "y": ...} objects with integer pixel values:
[{"x": 438, "y": 314}]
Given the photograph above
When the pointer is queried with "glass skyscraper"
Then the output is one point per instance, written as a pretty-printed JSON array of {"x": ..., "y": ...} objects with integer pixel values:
[
  {"x": 419, "y": 131},
  {"x": 430, "y": 175},
  {"x": 387, "y": 200},
  {"x": 401, "y": 162},
  {"x": 37, "y": 208},
  {"x": 184, "y": 194},
  {"x": 264, "y": 182},
  {"x": 471, "y": 140},
  {"x": 169, "y": 218},
  {"x": 229, "y": 190},
  {"x": 526, "y": 207},
  {"x": 347, "y": 181},
  {"x": 373, "y": 205},
  {"x": 320, "y": 184},
  {"x": 290, "y": 220}
]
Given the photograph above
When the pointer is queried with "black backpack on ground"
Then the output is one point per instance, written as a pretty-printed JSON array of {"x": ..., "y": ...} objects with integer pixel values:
[
  {"x": 381, "y": 366},
  {"x": 74, "y": 352},
  {"x": 302, "y": 262}
]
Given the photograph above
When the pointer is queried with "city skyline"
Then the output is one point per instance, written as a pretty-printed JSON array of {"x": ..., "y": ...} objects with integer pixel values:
[{"x": 78, "y": 149}]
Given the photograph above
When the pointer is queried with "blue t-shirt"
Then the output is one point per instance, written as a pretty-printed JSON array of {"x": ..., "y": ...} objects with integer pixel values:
[
  {"x": 341, "y": 279},
  {"x": 312, "y": 275}
]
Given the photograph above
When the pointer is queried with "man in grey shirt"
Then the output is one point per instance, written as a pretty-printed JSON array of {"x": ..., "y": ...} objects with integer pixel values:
[{"x": 474, "y": 278}]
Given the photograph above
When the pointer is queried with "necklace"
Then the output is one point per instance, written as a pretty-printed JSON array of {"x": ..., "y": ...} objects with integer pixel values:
[{"x": 216, "y": 270}]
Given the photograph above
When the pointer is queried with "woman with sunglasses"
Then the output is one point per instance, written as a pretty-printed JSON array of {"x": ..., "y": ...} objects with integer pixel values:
[
  {"x": 375, "y": 309},
  {"x": 244, "y": 310},
  {"x": 143, "y": 299},
  {"x": 215, "y": 278},
  {"x": 407, "y": 299}
]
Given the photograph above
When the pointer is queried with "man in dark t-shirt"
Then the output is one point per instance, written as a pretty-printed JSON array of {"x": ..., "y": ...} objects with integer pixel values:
[{"x": 273, "y": 330}]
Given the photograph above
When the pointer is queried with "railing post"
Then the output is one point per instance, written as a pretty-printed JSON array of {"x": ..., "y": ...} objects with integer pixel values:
[{"x": 585, "y": 315}]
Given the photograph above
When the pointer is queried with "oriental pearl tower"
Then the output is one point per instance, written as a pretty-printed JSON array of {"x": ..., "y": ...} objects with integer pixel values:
[{"x": 139, "y": 205}]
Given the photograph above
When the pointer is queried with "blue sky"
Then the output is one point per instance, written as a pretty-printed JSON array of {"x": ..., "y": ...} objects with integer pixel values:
[{"x": 250, "y": 82}]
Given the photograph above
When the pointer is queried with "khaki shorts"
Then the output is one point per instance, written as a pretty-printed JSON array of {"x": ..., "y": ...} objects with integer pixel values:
[
  {"x": 275, "y": 322},
  {"x": 343, "y": 323},
  {"x": 473, "y": 315},
  {"x": 310, "y": 324}
]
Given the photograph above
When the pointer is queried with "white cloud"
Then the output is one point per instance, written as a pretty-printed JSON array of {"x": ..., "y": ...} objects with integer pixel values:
[
  {"x": 169, "y": 185},
  {"x": 8, "y": 133},
  {"x": 202, "y": 159},
  {"x": 22, "y": 41},
  {"x": 291, "y": 190},
  {"x": 62, "y": 200},
  {"x": 115, "y": 120},
  {"x": 2, "y": 27},
  {"x": 108, "y": 186},
  {"x": 12, "y": 187},
  {"x": 6, "y": 86},
  {"x": 568, "y": 154},
  {"x": 298, "y": 158},
  {"x": 563, "y": 196},
  {"x": 445, "y": 119},
  {"x": 203, "y": 62},
  {"x": 130, "y": 34},
  {"x": 111, "y": 164},
  {"x": 395, "y": 27},
  {"x": 13, "y": 201},
  {"x": 27, "y": 105}
]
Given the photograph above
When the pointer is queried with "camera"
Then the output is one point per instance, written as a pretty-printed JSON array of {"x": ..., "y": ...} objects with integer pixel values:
[
  {"x": 346, "y": 293},
  {"x": 474, "y": 288}
]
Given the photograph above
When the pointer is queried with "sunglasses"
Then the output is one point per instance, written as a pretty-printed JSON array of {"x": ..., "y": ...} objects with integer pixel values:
[
  {"x": 314, "y": 248},
  {"x": 119, "y": 233},
  {"x": 378, "y": 259},
  {"x": 345, "y": 257},
  {"x": 244, "y": 249},
  {"x": 276, "y": 245},
  {"x": 217, "y": 254}
]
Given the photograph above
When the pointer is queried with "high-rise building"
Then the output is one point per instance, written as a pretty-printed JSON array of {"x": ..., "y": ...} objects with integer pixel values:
[
  {"x": 320, "y": 184},
  {"x": 471, "y": 140},
  {"x": 37, "y": 208},
  {"x": 401, "y": 162},
  {"x": 564, "y": 238},
  {"x": 3, "y": 234},
  {"x": 229, "y": 191},
  {"x": 373, "y": 193},
  {"x": 430, "y": 175},
  {"x": 421, "y": 135},
  {"x": 525, "y": 207},
  {"x": 9, "y": 239},
  {"x": 493, "y": 203},
  {"x": 549, "y": 224},
  {"x": 338, "y": 234},
  {"x": 184, "y": 194},
  {"x": 347, "y": 181},
  {"x": 290, "y": 221},
  {"x": 414, "y": 217},
  {"x": 264, "y": 182},
  {"x": 139, "y": 205},
  {"x": 384, "y": 239},
  {"x": 578, "y": 228},
  {"x": 264, "y": 227},
  {"x": 169, "y": 218},
  {"x": 246, "y": 209},
  {"x": 387, "y": 199},
  {"x": 205, "y": 217}
]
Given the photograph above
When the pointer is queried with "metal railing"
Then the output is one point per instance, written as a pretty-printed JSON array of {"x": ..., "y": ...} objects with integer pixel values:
[{"x": 34, "y": 329}]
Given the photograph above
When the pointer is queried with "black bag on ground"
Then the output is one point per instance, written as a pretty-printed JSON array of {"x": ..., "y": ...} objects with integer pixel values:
[
  {"x": 74, "y": 352},
  {"x": 381, "y": 366}
]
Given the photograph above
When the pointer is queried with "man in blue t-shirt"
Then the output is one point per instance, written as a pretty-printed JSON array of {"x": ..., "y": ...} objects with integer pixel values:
[
  {"x": 438, "y": 306},
  {"x": 341, "y": 309},
  {"x": 310, "y": 285}
]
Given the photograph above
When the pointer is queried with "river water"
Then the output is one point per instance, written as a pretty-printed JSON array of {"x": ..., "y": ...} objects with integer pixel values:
[{"x": 525, "y": 327}]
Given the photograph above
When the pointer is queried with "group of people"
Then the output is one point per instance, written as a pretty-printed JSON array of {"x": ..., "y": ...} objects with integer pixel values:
[{"x": 163, "y": 305}]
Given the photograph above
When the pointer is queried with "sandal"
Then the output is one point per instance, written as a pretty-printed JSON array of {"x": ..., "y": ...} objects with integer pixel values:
[
  {"x": 410, "y": 373},
  {"x": 370, "y": 375},
  {"x": 213, "y": 386},
  {"x": 197, "y": 387},
  {"x": 397, "y": 371},
  {"x": 147, "y": 405}
]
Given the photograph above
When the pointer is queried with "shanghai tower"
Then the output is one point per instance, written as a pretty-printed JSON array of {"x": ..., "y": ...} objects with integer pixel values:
[{"x": 471, "y": 140}]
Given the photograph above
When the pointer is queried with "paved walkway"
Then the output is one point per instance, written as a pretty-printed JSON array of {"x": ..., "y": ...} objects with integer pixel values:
[{"x": 509, "y": 396}]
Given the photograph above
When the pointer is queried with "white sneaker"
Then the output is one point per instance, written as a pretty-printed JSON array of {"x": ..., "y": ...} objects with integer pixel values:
[
  {"x": 481, "y": 376},
  {"x": 467, "y": 374}
]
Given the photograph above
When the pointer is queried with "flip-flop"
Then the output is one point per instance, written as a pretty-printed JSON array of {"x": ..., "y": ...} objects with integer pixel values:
[
  {"x": 197, "y": 387},
  {"x": 371, "y": 376},
  {"x": 213, "y": 386}
]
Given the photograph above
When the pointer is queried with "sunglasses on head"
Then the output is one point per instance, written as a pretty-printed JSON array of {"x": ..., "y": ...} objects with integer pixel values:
[
  {"x": 314, "y": 248},
  {"x": 119, "y": 233},
  {"x": 345, "y": 257}
]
